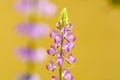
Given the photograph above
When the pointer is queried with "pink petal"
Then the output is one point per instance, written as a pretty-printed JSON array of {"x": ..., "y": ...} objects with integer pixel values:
[
  {"x": 58, "y": 38},
  {"x": 51, "y": 66},
  {"x": 65, "y": 46},
  {"x": 69, "y": 27},
  {"x": 64, "y": 30},
  {"x": 51, "y": 51},
  {"x": 59, "y": 60},
  {"x": 70, "y": 37},
  {"x": 46, "y": 8},
  {"x": 64, "y": 71},
  {"x": 54, "y": 78},
  {"x": 53, "y": 34},
  {"x": 71, "y": 45},
  {"x": 66, "y": 74},
  {"x": 71, "y": 59}
]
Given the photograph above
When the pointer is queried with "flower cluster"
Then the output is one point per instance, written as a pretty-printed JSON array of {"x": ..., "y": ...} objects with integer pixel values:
[
  {"x": 63, "y": 43},
  {"x": 33, "y": 31}
]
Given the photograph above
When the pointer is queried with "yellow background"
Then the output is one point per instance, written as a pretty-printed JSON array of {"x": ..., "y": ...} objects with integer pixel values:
[{"x": 97, "y": 27}]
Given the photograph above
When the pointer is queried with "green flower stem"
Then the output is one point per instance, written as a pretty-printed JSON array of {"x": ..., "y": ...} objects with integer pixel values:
[
  {"x": 60, "y": 73},
  {"x": 60, "y": 69},
  {"x": 63, "y": 22}
]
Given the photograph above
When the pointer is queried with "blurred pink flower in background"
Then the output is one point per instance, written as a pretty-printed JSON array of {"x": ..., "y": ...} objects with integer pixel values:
[
  {"x": 27, "y": 77},
  {"x": 32, "y": 31},
  {"x": 26, "y": 54},
  {"x": 44, "y": 7}
]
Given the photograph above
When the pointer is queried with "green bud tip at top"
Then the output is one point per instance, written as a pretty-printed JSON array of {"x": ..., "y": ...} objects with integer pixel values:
[
  {"x": 64, "y": 14},
  {"x": 63, "y": 19}
]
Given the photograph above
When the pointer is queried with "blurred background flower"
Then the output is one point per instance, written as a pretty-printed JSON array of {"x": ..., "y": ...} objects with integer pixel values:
[
  {"x": 43, "y": 7},
  {"x": 27, "y": 77},
  {"x": 33, "y": 30},
  {"x": 25, "y": 54}
]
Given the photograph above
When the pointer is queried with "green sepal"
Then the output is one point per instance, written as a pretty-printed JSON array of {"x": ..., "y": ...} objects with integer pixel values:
[{"x": 63, "y": 19}]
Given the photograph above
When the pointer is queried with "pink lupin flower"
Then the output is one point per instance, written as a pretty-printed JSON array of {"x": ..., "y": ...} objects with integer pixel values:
[
  {"x": 59, "y": 60},
  {"x": 51, "y": 51},
  {"x": 51, "y": 66},
  {"x": 65, "y": 46},
  {"x": 53, "y": 34},
  {"x": 70, "y": 37},
  {"x": 63, "y": 43},
  {"x": 66, "y": 75},
  {"x": 70, "y": 59},
  {"x": 54, "y": 78},
  {"x": 71, "y": 46},
  {"x": 69, "y": 27},
  {"x": 58, "y": 39},
  {"x": 64, "y": 30}
]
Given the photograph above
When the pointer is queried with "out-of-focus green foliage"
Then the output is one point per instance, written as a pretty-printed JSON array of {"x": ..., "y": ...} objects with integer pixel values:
[{"x": 115, "y": 2}]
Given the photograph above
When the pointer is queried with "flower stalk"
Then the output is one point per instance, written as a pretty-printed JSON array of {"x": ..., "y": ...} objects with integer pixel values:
[
  {"x": 63, "y": 43},
  {"x": 60, "y": 69}
]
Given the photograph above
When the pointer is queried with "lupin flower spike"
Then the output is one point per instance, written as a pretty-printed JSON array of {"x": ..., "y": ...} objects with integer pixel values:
[
  {"x": 33, "y": 30},
  {"x": 63, "y": 43}
]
